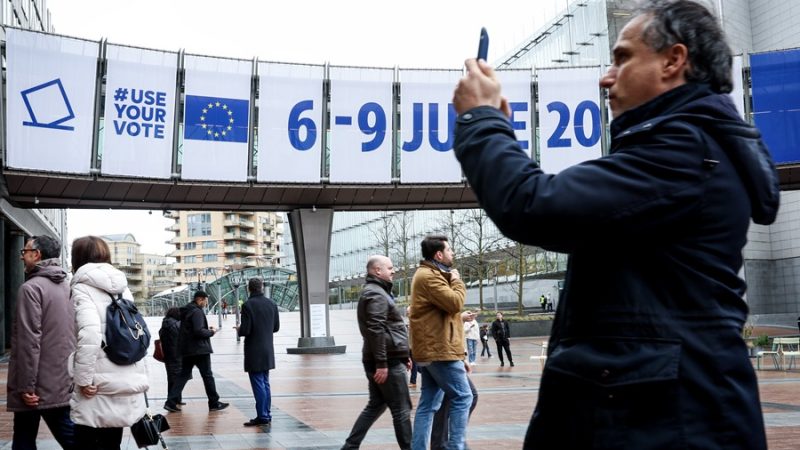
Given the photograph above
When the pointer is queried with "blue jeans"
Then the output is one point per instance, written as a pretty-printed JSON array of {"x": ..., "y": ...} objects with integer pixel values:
[
  {"x": 26, "y": 427},
  {"x": 438, "y": 378},
  {"x": 259, "y": 381},
  {"x": 472, "y": 345}
]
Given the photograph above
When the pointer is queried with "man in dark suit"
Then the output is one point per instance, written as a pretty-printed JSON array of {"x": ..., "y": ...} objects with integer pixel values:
[{"x": 259, "y": 321}]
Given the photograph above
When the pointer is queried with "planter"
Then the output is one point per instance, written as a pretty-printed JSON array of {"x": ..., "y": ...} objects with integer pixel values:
[{"x": 531, "y": 328}]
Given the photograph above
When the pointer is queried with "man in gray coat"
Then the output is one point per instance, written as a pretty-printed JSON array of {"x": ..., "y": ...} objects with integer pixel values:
[
  {"x": 259, "y": 322},
  {"x": 42, "y": 338}
]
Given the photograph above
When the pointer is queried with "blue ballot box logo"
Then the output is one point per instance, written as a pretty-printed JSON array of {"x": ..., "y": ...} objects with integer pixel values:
[{"x": 48, "y": 106}]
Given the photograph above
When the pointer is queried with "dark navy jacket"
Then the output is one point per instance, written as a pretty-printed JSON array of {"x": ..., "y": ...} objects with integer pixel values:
[
  {"x": 260, "y": 321},
  {"x": 646, "y": 349}
]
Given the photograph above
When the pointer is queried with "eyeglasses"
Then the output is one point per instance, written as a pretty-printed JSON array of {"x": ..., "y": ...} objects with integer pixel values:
[{"x": 22, "y": 252}]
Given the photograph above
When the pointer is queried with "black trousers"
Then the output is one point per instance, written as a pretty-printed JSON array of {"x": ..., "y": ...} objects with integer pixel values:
[
  {"x": 439, "y": 431},
  {"x": 174, "y": 369},
  {"x": 97, "y": 438},
  {"x": 485, "y": 348},
  {"x": 203, "y": 364},
  {"x": 26, "y": 427},
  {"x": 393, "y": 393},
  {"x": 504, "y": 344}
]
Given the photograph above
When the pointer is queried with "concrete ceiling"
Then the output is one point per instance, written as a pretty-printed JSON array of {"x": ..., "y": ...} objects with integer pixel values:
[{"x": 40, "y": 190}]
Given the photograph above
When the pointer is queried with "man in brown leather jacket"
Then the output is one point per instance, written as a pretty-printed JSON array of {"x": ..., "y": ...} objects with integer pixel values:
[{"x": 385, "y": 355}]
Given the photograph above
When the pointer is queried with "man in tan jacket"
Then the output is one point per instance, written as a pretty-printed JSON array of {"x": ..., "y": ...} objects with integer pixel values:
[{"x": 437, "y": 337}]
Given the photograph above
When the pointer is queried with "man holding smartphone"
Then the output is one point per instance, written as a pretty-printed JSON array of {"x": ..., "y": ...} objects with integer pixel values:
[
  {"x": 194, "y": 342},
  {"x": 652, "y": 310}
]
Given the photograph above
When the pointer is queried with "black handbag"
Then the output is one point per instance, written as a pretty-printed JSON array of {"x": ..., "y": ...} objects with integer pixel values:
[{"x": 147, "y": 430}]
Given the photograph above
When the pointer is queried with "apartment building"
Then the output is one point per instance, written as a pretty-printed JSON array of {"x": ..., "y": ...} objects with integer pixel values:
[
  {"x": 209, "y": 244},
  {"x": 158, "y": 274},
  {"x": 126, "y": 256}
]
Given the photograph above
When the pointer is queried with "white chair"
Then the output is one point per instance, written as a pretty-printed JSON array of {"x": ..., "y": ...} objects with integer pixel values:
[
  {"x": 543, "y": 356},
  {"x": 789, "y": 347},
  {"x": 774, "y": 354}
]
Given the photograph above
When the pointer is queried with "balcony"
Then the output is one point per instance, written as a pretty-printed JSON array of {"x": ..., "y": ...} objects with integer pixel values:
[
  {"x": 241, "y": 249},
  {"x": 172, "y": 214},
  {"x": 239, "y": 223},
  {"x": 176, "y": 240},
  {"x": 173, "y": 227},
  {"x": 239, "y": 236}
]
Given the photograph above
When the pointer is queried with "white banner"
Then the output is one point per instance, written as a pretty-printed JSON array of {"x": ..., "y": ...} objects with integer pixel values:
[
  {"x": 737, "y": 94},
  {"x": 361, "y": 125},
  {"x": 139, "y": 113},
  {"x": 50, "y": 96},
  {"x": 517, "y": 89},
  {"x": 290, "y": 123},
  {"x": 216, "y": 119},
  {"x": 569, "y": 117},
  {"x": 428, "y": 123}
]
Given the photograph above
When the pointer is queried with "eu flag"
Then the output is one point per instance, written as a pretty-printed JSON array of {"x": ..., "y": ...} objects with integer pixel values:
[{"x": 216, "y": 119}]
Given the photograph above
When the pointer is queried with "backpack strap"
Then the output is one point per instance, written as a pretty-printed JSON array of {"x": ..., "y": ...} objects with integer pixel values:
[{"x": 137, "y": 331}]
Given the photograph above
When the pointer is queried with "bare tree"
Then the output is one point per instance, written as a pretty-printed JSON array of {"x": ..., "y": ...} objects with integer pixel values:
[
  {"x": 480, "y": 237},
  {"x": 404, "y": 233},
  {"x": 383, "y": 230},
  {"x": 452, "y": 222},
  {"x": 518, "y": 263}
]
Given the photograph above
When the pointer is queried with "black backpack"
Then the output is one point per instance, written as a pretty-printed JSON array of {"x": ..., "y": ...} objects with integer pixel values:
[{"x": 127, "y": 336}]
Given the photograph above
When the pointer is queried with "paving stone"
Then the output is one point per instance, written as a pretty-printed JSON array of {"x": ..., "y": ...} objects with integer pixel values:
[{"x": 317, "y": 398}]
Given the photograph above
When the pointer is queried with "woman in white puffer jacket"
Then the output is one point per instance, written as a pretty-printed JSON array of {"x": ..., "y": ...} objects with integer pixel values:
[{"x": 106, "y": 397}]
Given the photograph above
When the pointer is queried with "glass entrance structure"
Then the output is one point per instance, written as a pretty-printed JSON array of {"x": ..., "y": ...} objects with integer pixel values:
[{"x": 279, "y": 284}]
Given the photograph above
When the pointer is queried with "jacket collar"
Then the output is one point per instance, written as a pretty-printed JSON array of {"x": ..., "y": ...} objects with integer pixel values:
[
  {"x": 385, "y": 285},
  {"x": 666, "y": 103},
  {"x": 436, "y": 264}
]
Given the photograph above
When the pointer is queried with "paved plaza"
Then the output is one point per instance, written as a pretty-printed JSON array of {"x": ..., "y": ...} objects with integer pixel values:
[{"x": 316, "y": 398}]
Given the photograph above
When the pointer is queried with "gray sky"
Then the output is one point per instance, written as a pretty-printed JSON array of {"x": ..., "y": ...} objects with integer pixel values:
[{"x": 409, "y": 33}]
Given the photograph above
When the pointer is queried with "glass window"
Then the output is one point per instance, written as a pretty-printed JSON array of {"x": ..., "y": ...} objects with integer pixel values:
[
  {"x": 209, "y": 244},
  {"x": 209, "y": 258},
  {"x": 199, "y": 224}
]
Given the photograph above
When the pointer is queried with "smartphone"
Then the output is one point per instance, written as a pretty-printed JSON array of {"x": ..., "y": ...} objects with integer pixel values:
[{"x": 483, "y": 45}]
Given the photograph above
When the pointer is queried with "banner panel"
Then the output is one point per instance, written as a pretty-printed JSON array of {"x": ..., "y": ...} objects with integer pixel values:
[
  {"x": 50, "y": 96},
  {"x": 290, "y": 123},
  {"x": 776, "y": 102},
  {"x": 517, "y": 89},
  {"x": 361, "y": 125},
  {"x": 139, "y": 113},
  {"x": 737, "y": 94},
  {"x": 569, "y": 117},
  {"x": 216, "y": 119},
  {"x": 428, "y": 121}
]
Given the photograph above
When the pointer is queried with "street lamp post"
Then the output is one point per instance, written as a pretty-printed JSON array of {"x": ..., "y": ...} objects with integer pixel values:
[
  {"x": 219, "y": 296},
  {"x": 236, "y": 280},
  {"x": 219, "y": 292},
  {"x": 496, "y": 263}
]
